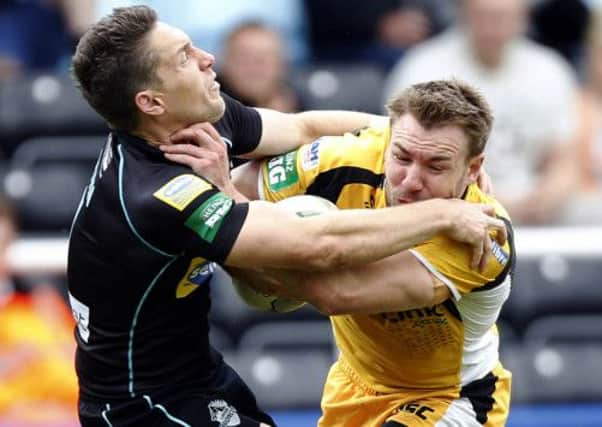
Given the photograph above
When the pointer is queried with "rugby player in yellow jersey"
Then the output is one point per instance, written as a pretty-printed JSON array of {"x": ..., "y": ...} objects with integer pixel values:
[{"x": 416, "y": 331}]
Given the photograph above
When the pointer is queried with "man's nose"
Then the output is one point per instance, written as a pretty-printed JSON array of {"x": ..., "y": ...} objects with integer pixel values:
[
  {"x": 413, "y": 178},
  {"x": 205, "y": 59}
]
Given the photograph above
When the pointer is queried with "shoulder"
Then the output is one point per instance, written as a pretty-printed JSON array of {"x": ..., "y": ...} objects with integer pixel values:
[
  {"x": 475, "y": 195},
  {"x": 447, "y": 43},
  {"x": 540, "y": 58},
  {"x": 364, "y": 149}
]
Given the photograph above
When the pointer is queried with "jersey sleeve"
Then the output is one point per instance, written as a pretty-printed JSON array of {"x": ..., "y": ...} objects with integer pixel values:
[
  {"x": 292, "y": 173},
  {"x": 318, "y": 167},
  {"x": 186, "y": 214},
  {"x": 243, "y": 124},
  {"x": 449, "y": 261}
]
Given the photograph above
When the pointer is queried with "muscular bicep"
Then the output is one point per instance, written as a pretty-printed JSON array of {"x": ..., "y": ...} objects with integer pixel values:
[
  {"x": 399, "y": 282},
  {"x": 273, "y": 237},
  {"x": 281, "y": 132}
]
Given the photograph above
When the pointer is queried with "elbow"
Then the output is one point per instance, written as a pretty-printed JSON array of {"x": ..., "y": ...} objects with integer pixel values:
[
  {"x": 329, "y": 300},
  {"x": 324, "y": 254},
  {"x": 328, "y": 305}
]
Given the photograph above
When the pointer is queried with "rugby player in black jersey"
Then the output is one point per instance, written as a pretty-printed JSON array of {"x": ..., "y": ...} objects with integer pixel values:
[{"x": 148, "y": 230}]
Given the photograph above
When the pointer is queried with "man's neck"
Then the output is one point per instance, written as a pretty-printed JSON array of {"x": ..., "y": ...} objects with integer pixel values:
[
  {"x": 489, "y": 61},
  {"x": 154, "y": 133}
]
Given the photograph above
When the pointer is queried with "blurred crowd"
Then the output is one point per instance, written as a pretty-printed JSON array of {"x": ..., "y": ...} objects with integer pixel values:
[{"x": 538, "y": 62}]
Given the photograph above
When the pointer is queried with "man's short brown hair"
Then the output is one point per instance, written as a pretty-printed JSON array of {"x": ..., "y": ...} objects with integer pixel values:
[
  {"x": 440, "y": 103},
  {"x": 112, "y": 63}
]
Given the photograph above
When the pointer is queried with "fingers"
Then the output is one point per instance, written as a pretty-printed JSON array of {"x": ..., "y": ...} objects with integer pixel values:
[
  {"x": 193, "y": 163},
  {"x": 477, "y": 255},
  {"x": 201, "y": 134},
  {"x": 501, "y": 233},
  {"x": 483, "y": 250},
  {"x": 488, "y": 210},
  {"x": 484, "y": 182},
  {"x": 208, "y": 127},
  {"x": 486, "y": 253},
  {"x": 189, "y": 149},
  {"x": 496, "y": 224},
  {"x": 193, "y": 151}
]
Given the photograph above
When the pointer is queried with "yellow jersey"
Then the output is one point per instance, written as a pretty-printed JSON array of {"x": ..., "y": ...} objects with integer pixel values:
[{"x": 446, "y": 345}]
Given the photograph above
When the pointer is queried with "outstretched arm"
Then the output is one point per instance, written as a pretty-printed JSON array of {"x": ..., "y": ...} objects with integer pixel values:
[
  {"x": 284, "y": 132},
  {"x": 273, "y": 237},
  {"x": 351, "y": 237}
]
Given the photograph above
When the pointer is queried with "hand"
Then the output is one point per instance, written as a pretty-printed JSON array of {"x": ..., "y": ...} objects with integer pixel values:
[
  {"x": 484, "y": 182},
  {"x": 201, "y": 148},
  {"x": 471, "y": 223}
]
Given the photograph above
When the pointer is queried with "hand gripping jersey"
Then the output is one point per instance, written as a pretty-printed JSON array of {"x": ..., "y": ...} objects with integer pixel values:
[
  {"x": 140, "y": 257},
  {"x": 447, "y": 345}
]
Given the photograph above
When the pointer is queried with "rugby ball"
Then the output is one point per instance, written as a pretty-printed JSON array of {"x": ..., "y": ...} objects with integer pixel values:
[{"x": 303, "y": 206}]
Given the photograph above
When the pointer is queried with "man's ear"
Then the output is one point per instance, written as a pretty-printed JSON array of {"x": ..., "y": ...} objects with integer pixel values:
[
  {"x": 474, "y": 168},
  {"x": 150, "y": 102}
]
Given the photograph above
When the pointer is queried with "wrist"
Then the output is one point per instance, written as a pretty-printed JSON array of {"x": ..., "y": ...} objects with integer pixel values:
[
  {"x": 442, "y": 215},
  {"x": 231, "y": 191}
]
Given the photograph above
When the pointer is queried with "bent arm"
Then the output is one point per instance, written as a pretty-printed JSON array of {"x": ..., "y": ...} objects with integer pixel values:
[
  {"x": 397, "y": 283},
  {"x": 284, "y": 132}
]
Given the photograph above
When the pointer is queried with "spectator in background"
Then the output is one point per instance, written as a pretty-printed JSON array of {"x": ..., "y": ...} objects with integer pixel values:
[
  {"x": 208, "y": 22},
  {"x": 378, "y": 32},
  {"x": 561, "y": 25},
  {"x": 38, "y": 35},
  {"x": 531, "y": 154},
  {"x": 253, "y": 68},
  {"x": 37, "y": 380},
  {"x": 587, "y": 206}
]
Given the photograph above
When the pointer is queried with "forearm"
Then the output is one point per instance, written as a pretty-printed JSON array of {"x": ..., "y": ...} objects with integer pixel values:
[
  {"x": 232, "y": 191},
  {"x": 396, "y": 283},
  {"x": 285, "y": 132},
  {"x": 319, "y": 123},
  {"x": 335, "y": 239},
  {"x": 370, "y": 235}
]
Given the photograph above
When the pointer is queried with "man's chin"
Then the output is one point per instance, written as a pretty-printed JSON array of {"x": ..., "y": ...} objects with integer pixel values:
[{"x": 219, "y": 110}]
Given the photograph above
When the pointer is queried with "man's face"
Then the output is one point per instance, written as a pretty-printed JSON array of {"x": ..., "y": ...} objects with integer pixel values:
[
  {"x": 422, "y": 164},
  {"x": 492, "y": 24},
  {"x": 188, "y": 89},
  {"x": 254, "y": 64}
]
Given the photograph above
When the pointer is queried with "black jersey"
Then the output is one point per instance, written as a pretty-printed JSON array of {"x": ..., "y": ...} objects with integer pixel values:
[{"x": 140, "y": 255}]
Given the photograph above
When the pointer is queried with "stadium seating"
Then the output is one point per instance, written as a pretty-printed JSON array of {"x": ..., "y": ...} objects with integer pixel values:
[
  {"x": 45, "y": 178},
  {"x": 555, "y": 373},
  {"x": 311, "y": 334},
  {"x": 46, "y": 104},
  {"x": 354, "y": 86},
  {"x": 553, "y": 284},
  {"x": 565, "y": 329},
  {"x": 283, "y": 379}
]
